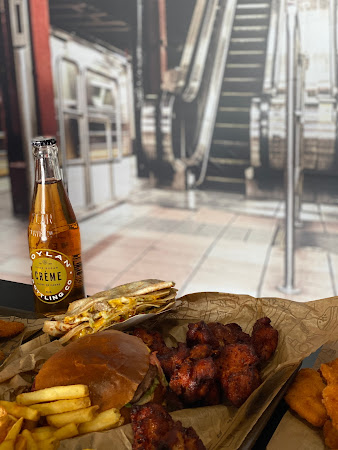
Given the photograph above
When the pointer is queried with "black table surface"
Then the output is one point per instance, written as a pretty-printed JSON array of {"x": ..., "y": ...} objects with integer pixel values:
[
  {"x": 19, "y": 297},
  {"x": 16, "y": 296}
]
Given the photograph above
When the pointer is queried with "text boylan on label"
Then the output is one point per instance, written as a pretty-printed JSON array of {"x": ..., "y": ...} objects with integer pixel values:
[{"x": 52, "y": 275}]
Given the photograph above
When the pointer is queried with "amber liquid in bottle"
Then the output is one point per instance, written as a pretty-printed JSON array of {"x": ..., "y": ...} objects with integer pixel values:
[{"x": 54, "y": 239}]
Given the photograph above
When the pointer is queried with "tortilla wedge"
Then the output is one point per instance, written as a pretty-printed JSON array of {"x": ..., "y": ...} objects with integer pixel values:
[{"x": 107, "y": 308}]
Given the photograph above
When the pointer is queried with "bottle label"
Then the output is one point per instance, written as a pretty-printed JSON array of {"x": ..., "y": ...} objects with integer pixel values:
[{"x": 52, "y": 275}]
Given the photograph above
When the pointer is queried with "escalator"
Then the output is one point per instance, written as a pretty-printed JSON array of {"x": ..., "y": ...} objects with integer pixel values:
[
  {"x": 229, "y": 155},
  {"x": 196, "y": 133}
]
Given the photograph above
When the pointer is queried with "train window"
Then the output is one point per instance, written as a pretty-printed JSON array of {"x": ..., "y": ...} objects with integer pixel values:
[
  {"x": 72, "y": 138},
  {"x": 99, "y": 140},
  {"x": 99, "y": 91},
  {"x": 69, "y": 84}
]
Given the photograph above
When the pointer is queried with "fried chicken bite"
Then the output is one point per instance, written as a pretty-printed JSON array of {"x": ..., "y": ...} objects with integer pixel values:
[
  {"x": 10, "y": 329},
  {"x": 238, "y": 386},
  {"x": 173, "y": 358},
  {"x": 153, "y": 339},
  {"x": 305, "y": 397},
  {"x": 154, "y": 429},
  {"x": 264, "y": 339},
  {"x": 237, "y": 372},
  {"x": 330, "y": 401},
  {"x": 149, "y": 423},
  {"x": 330, "y": 435},
  {"x": 200, "y": 333},
  {"x": 200, "y": 351},
  {"x": 193, "y": 380},
  {"x": 180, "y": 438},
  {"x": 231, "y": 333},
  {"x": 329, "y": 371}
]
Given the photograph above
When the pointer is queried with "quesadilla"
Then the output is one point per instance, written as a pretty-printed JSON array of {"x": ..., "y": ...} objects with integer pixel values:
[{"x": 107, "y": 308}]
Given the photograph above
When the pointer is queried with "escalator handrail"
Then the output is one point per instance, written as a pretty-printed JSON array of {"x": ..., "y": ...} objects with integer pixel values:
[
  {"x": 276, "y": 15},
  {"x": 188, "y": 50},
  {"x": 192, "y": 65},
  {"x": 202, "y": 149},
  {"x": 191, "y": 90}
]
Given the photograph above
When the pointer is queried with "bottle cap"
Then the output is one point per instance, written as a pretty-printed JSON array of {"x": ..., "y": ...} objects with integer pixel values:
[{"x": 42, "y": 141}]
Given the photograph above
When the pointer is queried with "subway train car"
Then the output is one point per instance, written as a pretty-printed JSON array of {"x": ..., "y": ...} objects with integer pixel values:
[{"x": 93, "y": 88}]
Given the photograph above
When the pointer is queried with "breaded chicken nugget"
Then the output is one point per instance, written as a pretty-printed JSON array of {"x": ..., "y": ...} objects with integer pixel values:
[
  {"x": 329, "y": 371},
  {"x": 330, "y": 435},
  {"x": 330, "y": 401},
  {"x": 10, "y": 329},
  {"x": 305, "y": 397}
]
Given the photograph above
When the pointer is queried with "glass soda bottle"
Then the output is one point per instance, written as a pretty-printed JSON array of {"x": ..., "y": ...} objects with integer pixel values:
[{"x": 53, "y": 235}]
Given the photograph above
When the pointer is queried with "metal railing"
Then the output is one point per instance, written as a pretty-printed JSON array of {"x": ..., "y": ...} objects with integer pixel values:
[{"x": 294, "y": 172}]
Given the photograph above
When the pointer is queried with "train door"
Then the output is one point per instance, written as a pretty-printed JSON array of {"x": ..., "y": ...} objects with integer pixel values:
[{"x": 95, "y": 121}]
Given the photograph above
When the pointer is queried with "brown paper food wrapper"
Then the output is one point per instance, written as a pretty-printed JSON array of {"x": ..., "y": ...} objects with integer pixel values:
[
  {"x": 303, "y": 328},
  {"x": 295, "y": 431},
  {"x": 32, "y": 326}
]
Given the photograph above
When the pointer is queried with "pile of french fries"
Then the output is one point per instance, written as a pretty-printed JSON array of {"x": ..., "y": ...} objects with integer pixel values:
[{"x": 41, "y": 419}]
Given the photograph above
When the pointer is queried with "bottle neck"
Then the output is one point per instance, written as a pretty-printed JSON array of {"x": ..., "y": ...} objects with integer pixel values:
[{"x": 47, "y": 168}]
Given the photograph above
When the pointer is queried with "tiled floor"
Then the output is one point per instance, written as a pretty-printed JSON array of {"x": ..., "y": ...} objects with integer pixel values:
[{"x": 202, "y": 241}]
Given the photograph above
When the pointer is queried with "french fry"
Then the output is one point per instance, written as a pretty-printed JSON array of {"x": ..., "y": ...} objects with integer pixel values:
[
  {"x": 5, "y": 423},
  {"x": 42, "y": 433},
  {"x": 52, "y": 394},
  {"x": 66, "y": 432},
  {"x": 30, "y": 443},
  {"x": 20, "y": 411},
  {"x": 48, "y": 444},
  {"x": 61, "y": 406},
  {"x": 78, "y": 416},
  {"x": 15, "y": 430},
  {"x": 7, "y": 445},
  {"x": 103, "y": 421},
  {"x": 20, "y": 443}
]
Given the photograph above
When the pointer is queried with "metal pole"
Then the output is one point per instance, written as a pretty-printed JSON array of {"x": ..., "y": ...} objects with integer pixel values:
[{"x": 289, "y": 269}]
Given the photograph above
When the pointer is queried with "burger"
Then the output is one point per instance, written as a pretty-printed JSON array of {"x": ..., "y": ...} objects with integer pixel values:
[{"x": 118, "y": 368}]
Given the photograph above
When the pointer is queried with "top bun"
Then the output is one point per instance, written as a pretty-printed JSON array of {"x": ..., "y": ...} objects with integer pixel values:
[{"x": 111, "y": 363}]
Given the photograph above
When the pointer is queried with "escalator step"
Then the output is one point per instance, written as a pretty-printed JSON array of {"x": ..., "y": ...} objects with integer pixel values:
[
  {"x": 225, "y": 179},
  {"x": 232, "y": 109},
  {"x": 230, "y": 161},
  {"x": 241, "y": 79},
  {"x": 239, "y": 132},
  {"x": 235, "y": 101},
  {"x": 247, "y": 2},
  {"x": 249, "y": 31},
  {"x": 245, "y": 57},
  {"x": 247, "y": 40},
  {"x": 244, "y": 66},
  {"x": 226, "y": 172},
  {"x": 233, "y": 115},
  {"x": 246, "y": 52},
  {"x": 253, "y": 7},
  {"x": 258, "y": 19},
  {"x": 231, "y": 152},
  {"x": 229, "y": 142},
  {"x": 241, "y": 85},
  {"x": 233, "y": 126},
  {"x": 247, "y": 44}
]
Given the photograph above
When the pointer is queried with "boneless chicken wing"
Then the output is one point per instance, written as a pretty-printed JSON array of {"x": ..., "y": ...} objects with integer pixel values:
[
  {"x": 154, "y": 429},
  {"x": 200, "y": 333},
  {"x": 193, "y": 380},
  {"x": 237, "y": 372},
  {"x": 231, "y": 333},
  {"x": 173, "y": 359},
  {"x": 264, "y": 339},
  {"x": 153, "y": 339}
]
